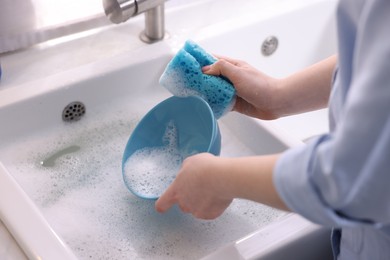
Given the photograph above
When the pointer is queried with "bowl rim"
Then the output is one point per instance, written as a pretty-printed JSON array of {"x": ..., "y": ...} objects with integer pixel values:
[{"x": 214, "y": 133}]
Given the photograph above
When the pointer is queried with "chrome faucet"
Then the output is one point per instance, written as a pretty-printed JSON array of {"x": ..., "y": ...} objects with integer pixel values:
[{"x": 119, "y": 11}]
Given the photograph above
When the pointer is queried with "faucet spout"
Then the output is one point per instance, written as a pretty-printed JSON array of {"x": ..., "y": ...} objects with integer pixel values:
[{"x": 119, "y": 11}]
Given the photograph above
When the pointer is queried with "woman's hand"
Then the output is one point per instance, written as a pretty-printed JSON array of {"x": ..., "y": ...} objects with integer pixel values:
[
  {"x": 199, "y": 188},
  {"x": 207, "y": 184},
  {"x": 264, "y": 97},
  {"x": 255, "y": 90}
]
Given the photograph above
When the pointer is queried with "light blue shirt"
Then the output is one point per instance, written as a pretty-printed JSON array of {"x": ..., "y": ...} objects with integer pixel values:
[{"x": 342, "y": 179}]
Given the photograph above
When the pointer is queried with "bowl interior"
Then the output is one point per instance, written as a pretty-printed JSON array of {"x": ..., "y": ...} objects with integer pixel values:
[
  {"x": 192, "y": 117},
  {"x": 187, "y": 124}
]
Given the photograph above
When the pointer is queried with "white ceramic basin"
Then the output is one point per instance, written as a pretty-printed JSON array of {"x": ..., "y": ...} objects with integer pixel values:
[
  {"x": 71, "y": 193},
  {"x": 78, "y": 207}
]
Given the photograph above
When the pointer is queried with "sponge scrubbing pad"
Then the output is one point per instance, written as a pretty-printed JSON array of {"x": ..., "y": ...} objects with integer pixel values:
[{"x": 183, "y": 77}]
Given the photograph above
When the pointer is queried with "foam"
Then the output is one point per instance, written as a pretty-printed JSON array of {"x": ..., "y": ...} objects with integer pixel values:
[
  {"x": 183, "y": 77},
  {"x": 84, "y": 199},
  {"x": 149, "y": 171}
]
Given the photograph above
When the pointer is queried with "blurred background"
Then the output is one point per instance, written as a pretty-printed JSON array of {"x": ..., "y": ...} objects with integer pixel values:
[{"x": 27, "y": 22}]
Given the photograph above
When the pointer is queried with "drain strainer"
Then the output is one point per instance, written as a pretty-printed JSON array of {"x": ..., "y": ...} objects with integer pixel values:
[
  {"x": 269, "y": 46},
  {"x": 73, "y": 111}
]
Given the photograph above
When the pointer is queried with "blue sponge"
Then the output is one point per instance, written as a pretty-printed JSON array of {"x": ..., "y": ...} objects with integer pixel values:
[{"x": 183, "y": 77}]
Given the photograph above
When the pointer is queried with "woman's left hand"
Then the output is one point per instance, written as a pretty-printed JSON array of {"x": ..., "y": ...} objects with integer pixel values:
[{"x": 199, "y": 188}]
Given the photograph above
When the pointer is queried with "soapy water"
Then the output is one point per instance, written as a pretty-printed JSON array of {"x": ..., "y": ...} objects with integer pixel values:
[
  {"x": 150, "y": 170},
  {"x": 85, "y": 201}
]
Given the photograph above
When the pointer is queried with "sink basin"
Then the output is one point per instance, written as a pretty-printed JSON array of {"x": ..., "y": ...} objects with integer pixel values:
[
  {"x": 64, "y": 178},
  {"x": 69, "y": 176}
]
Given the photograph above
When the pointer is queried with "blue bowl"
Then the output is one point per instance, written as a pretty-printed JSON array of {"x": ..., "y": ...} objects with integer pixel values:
[{"x": 193, "y": 129}]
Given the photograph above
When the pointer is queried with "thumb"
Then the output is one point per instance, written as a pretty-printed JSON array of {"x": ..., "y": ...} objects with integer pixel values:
[{"x": 221, "y": 67}]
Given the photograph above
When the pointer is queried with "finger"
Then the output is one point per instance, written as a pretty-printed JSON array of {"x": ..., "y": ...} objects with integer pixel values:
[
  {"x": 230, "y": 60},
  {"x": 220, "y": 67},
  {"x": 166, "y": 201},
  {"x": 184, "y": 208}
]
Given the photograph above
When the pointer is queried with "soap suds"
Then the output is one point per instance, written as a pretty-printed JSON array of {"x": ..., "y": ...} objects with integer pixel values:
[
  {"x": 149, "y": 171},
  {"x": 85, "y": 200}
]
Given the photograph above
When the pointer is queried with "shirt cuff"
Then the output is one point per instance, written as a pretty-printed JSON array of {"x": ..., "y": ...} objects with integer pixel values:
[{"x": 293, "y": 182}]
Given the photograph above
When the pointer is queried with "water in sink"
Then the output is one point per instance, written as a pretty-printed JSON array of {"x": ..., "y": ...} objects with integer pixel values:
[{"x": 73, "y": 173}]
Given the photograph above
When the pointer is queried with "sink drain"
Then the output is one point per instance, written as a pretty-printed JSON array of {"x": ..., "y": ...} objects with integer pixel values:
[
  {"x": 73, "y": 111},
  {"x": 269, "y": 46}
]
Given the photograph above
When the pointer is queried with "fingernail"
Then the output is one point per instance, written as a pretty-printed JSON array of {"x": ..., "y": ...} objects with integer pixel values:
[{"x": 206, "y": 68}]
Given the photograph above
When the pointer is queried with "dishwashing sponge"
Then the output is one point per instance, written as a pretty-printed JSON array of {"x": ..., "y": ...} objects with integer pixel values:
[{"x": 183, "y": 77}]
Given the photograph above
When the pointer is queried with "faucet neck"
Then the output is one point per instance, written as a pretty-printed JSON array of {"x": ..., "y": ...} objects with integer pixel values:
[
  {"x": 154, "y": 25},
  {"x": 119, "y": 11}
]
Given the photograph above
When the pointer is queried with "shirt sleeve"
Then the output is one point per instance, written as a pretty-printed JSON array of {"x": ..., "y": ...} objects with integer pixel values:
[{"x": 343, "y": 178}]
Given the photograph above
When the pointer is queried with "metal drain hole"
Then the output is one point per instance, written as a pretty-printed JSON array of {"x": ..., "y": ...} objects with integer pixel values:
[
  {"x": 269, "y": 46},
  {"x": 73, "y": 112}
]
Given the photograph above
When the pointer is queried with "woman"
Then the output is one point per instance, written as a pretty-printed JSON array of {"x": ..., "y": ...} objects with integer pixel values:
[{"x": 338, "y": 180}]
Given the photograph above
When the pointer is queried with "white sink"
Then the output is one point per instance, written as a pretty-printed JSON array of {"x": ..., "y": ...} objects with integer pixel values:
[
  {"x": 71, "y": 172},
  {"x": 77, "y": 207}
]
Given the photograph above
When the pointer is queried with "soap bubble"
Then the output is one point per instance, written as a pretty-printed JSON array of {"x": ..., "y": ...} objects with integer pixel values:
[
  {"x": 150, "y": 170},
  {"x": 87, "y": 204},
  {"x": 183, "y": 77}
]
